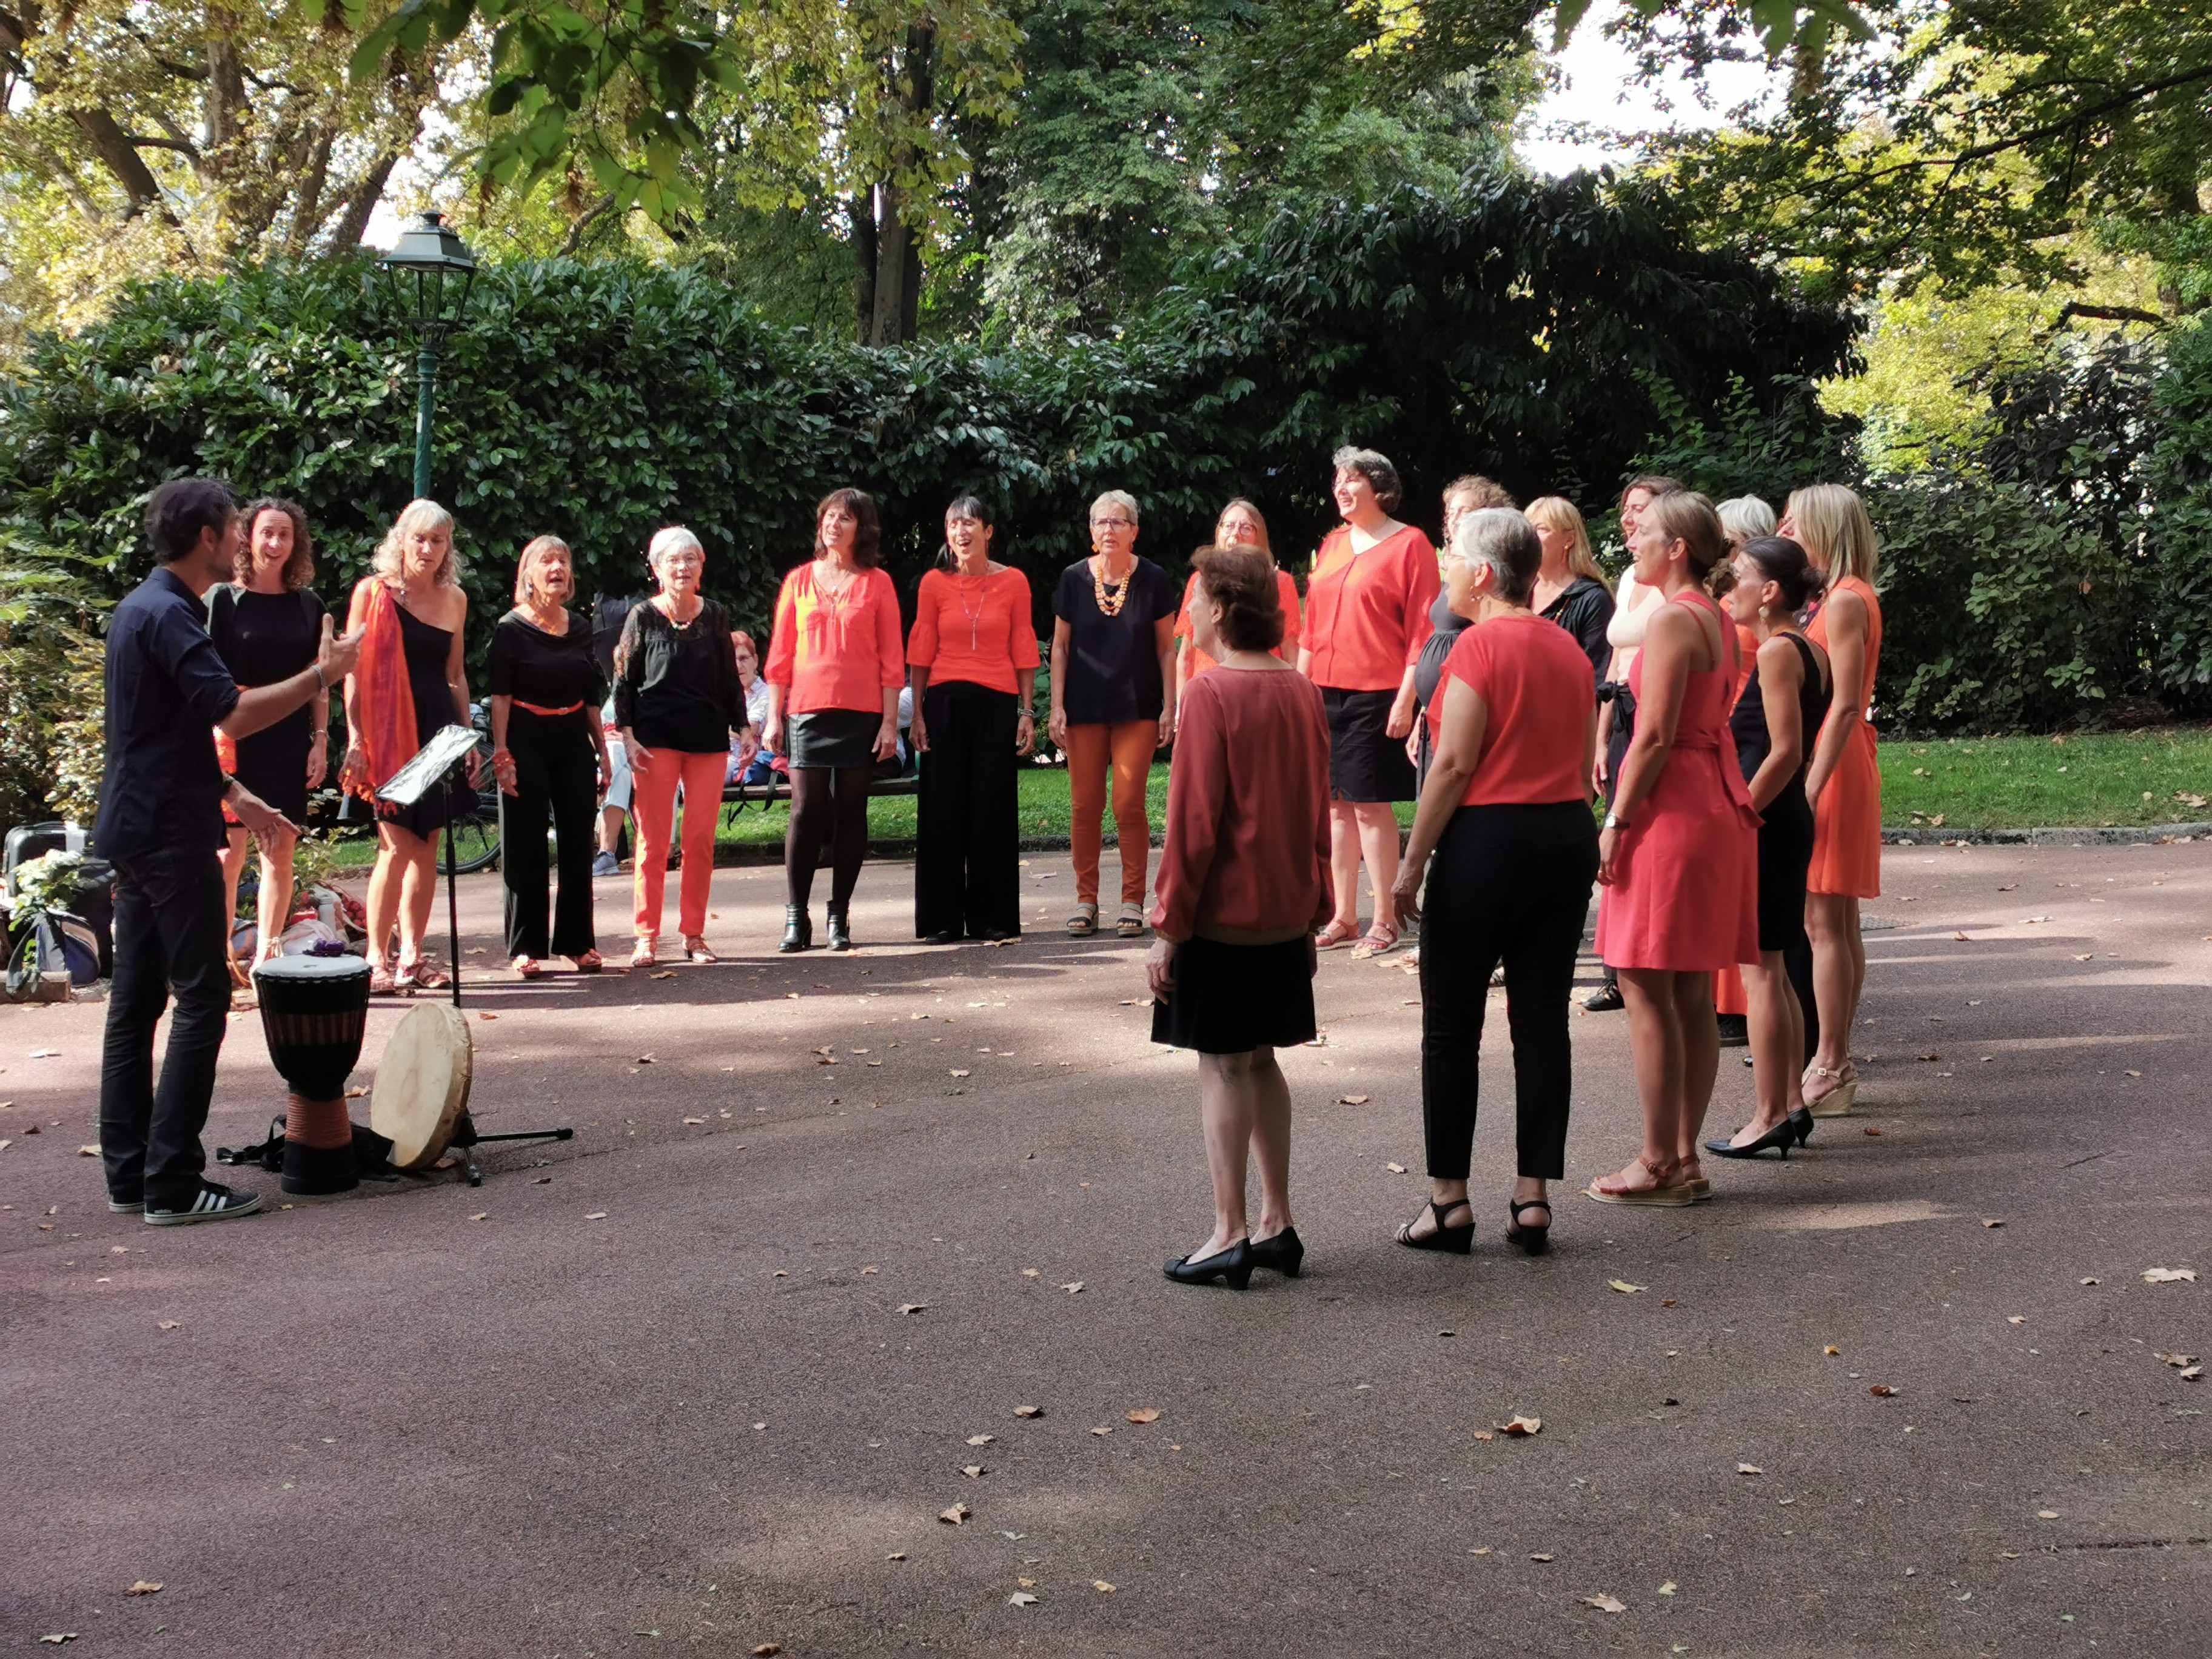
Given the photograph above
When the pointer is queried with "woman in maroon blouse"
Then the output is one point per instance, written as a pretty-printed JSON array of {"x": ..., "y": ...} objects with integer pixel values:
[{"x": 1243, "y": 881}]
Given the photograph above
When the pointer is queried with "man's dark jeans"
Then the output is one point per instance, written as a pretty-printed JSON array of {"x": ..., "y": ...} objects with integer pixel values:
[{"x": 170, "y": 933}]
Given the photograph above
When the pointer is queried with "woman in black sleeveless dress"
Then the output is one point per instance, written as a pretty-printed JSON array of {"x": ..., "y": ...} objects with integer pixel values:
[
  {"x": 267, "y": 626},
  {"x": 1774, "y": 724},
  {"x": 409, "y": 684}
]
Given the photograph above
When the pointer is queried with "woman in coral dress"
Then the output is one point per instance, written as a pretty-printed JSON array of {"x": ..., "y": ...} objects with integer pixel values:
[
  {"x": 1843, "y": 782},
  {"x": 1679, "y": 854}
]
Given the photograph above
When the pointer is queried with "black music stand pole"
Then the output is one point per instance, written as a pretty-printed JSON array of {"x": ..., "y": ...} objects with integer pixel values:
[{"x": 453, "y": 892}]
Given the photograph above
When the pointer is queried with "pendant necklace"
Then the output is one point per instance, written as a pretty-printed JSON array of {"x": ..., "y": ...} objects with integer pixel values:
[
  {"x": 1110, "y": 607},
  {"x": 974, "y": 615}
]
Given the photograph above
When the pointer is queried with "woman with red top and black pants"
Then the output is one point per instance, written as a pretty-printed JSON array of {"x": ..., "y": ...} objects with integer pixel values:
[
  {"x": 835, "y": 667},
  {"x": 1244, "y": 882},
  {"x": 972, "y": 657},
  {"x": 1367, "y": 617},
  {"x": 1506, "y": 811}
]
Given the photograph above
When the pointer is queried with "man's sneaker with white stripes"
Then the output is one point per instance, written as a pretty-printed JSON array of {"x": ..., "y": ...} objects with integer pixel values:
[{"x": 213, "y": 1202}]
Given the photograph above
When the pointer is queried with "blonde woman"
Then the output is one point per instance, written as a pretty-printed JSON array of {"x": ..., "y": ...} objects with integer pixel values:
[
  {"x": 1239, "y": 525},
  {"x": 549, "y": 754},
  {"x": 1571, "y": 589},
  {"x": 1842, "y": 782},
  {"x": 410, "y": 683}
]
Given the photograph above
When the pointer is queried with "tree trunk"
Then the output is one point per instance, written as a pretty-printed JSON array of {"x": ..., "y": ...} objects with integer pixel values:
[
  {"x": 361, "y": 203},
  {"x": 894, "y": 312},
  {"x": 861, "y": 210},
  {"x": 120, "y": 157},
  {"x": 895, "y": 253}
]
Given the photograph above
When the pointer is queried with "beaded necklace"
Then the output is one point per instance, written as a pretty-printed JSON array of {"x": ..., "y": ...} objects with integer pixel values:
[{"x": 1100, "y": 588}]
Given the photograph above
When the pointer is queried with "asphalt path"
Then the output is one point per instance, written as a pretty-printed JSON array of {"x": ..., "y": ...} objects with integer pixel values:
[{"x": 707, "y": 1377}]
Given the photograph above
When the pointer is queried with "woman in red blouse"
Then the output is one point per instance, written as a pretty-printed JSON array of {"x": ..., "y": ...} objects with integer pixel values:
[
  {"x": 1367, "y": 617},
  {"x": 835, "y": 667},
  {"x": 1239, "y": 525},
  {"x": 1243, "y": 881},
  {"x": 973, "y": 658},
  {"x": 1506, "y": 811}
]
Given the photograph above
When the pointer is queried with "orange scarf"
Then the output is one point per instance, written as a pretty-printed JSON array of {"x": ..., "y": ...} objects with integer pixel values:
[{"x": 384, "y": 698}]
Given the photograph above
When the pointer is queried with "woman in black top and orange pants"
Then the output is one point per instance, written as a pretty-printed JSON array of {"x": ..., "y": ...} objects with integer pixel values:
[{"x": 549, "y": 755}]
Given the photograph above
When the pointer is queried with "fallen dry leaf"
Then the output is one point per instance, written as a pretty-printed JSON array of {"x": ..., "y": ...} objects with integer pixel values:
[
  {"x": 1101, "y": 1587},
  {"x": 2046, "y": 1515},
  {"x": 665, "y": 973},
  {"x": 1524, "y": 1427},
  {"x": 1993, "y": 1221},
  {"x": 1831, "y": 1349},
  {"x": 768, "y": 1651},
  {"x": 1073, "y": 1287},
  {"x": 480, "y": 1215},
  {"x": 2135, "y": 1073},
  {"x": 1483, "y": 1434},
  {"x": 1102, "y": 1431},
  {"x": 1032, "y": 1272},
  {"x": 895, "y": 1555},
  {"x": 1749, "y": 1469},
  {"x": 1028, "y": 1411},
  {"x": 597, "y": 1215},
  {"x": 83, "y": 1152},
  {"x": 1485, "y": 1550},
  {"x": 1930, "y": 1055},
  {"x": 973, "y": 1471},
  {"x": 1395, "y": 1168},
  {"x": 1540, "y": 1557},
  {"x": 1021, "y": 1599},
  {"x": 694, "y": 1120},
  {"x": 2169, "y": 1275},
  {"x": 960, "y": 1073},
  {"x": 487, "y": 1017},
  {"x": 1872, "y": 1130},
  {"x": 1625, "y": 1288},
  {"x": 2176, "y": 1359},
  {"x": 171, "y": 1325},
  {"x": 1605, "y": 1603},
  {"x": 1880, "y": 1390},
  {"x": 1353, "y": 1099},
  {"x": 956, "y": 1515},
  {"x": 1669, "y": 1588},
  {"x": 64, "y": 1636},
  {"x": 144, "y": 1586},
  {"x": 1143, "y": 1414},
  {"x": 864, "y": 1272},
  {"x": 2193, "y": 1373},
  {"x": 2092, "y": 1281},
  {"x": 912, "y": 1307},
  {"x": 980, "y": 1440},
  {"x": 1962, "y": 938}
]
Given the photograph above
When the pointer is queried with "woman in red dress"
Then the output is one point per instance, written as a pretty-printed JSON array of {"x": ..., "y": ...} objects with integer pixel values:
[
  {"x": 1367, "y": 618},
  {"x": 1678, "y": 853},
  {"x": 1843, "y": 782}
]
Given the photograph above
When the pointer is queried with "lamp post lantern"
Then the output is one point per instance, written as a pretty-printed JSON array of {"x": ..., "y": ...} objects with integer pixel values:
[{"x": 430, "y": 271}]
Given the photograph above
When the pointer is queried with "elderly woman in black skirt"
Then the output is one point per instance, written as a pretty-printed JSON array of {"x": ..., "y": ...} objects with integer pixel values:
[
  {"x": 1774, "y": 720},
  {"x": 1243, "y": 883},
  {"x": 549, "y": 755},
  {"x": 267, "y": 626},
  {"x": 834, "y": 667},
  {"x": 1506, "y": 813},
  {"x": 1367, "y": 618}
]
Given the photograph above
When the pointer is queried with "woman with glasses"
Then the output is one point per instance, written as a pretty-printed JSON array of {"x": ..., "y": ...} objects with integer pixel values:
[
  {"x": 1239, "y": 525},
  {"x": 1112, "y": 655}
]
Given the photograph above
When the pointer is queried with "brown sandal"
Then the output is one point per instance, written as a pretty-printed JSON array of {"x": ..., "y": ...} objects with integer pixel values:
[{"x": 1663, "y": 1192}]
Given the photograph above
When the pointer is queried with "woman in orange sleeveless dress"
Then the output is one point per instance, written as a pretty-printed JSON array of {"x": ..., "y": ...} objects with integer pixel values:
[
  {"x": 1844, "y": 783},
  {"x": 1679, "y": 854}
]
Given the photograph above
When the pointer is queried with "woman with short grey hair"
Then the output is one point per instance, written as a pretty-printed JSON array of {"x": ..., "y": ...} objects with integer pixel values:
[
  {"x": 1744, "y": 519},
  {"x": 1506, "y": 813}
]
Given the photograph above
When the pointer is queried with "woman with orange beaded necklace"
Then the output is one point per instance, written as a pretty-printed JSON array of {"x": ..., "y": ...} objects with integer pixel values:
[{"x": 1113, "y": 701}]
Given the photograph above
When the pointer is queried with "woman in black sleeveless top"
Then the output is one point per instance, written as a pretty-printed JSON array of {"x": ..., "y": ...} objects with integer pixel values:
[{"x": 1774, "y": 723}]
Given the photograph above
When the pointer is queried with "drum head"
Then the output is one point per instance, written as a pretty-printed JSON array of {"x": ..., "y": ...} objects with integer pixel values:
[
  {"x": 421, "y": 1084},
  {"x": 313, "y": 970}
]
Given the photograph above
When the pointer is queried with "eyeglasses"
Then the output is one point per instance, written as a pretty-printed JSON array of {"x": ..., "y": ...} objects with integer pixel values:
[{"x": 1113, "y": 524}]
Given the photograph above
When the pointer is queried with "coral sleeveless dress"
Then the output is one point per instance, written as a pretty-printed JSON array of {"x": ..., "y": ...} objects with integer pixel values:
[
  {"x": 1686, "y": 898},
  {"x": 1847, "y": 821}
]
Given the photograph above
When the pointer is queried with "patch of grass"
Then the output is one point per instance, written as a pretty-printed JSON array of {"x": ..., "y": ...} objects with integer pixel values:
[
  {"x": 2025, "y": 783},
  {"x": 1043, "y": 811}
]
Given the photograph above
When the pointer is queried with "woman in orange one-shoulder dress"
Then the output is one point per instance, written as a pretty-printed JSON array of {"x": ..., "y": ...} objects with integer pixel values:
[{"x": 1844, "y": 783}]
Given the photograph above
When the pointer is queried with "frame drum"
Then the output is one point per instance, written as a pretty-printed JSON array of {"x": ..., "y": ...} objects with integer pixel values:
[
  {"x": 314, "y": 1011},
  {"x": 421, "y": 1087}
]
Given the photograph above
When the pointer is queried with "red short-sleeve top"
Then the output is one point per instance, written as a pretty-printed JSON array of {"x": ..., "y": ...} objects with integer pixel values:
[
  {"x": 1367, "y": 614},
  {"x": 835, "y": 650},
  {"x": 1286, "y": 593},
  {"x": 1535, "y": 682},
  {"x": 976, "y": 628}
]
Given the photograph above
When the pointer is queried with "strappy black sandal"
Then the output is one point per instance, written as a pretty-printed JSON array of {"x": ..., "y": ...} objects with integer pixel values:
[
  {"x": 1456, "y": 1241},
  {"x": 1530, "y": 1241}
]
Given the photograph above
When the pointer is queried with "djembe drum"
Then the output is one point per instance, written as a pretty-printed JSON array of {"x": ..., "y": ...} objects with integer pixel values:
[{"x": 314, "y": 1011}]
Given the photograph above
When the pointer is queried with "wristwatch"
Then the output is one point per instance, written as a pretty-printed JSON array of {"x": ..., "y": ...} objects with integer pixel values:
[{"x": 1614, "y": 821}]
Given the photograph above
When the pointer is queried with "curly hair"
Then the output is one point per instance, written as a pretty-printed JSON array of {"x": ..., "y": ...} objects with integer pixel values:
[
  {"x": 388, "y": 560},
  {"x": 299, "y": 569},
  {"x": 1241, "y": 581},
  {"x": 1476, "y": 491}
]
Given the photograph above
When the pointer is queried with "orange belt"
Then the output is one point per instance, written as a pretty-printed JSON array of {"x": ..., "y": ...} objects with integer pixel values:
[{"x": 550, "y": 713}]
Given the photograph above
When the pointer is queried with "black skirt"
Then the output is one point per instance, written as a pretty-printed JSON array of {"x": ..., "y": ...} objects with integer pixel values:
[
  {"x": 1365, "y": 762},
  {"x": 1786, "y": 853},
  {"x": 1231, "y": 999},
  {"x": 833, "y": 737}
]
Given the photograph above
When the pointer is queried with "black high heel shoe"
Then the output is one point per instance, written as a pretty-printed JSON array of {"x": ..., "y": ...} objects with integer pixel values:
[
  {"x": 1455, "y": 1240},
  {"x": 1283, "y": 1252},
  {"x": 1782, "y": 1135},
  {"x": 841, "y": 931},
  {"x": 1233, "y": 1267},
  {"x": 1801, "y": 1120},
  {"x": 798, "y": 929},
  {"x": 1529, "y": 1241}
]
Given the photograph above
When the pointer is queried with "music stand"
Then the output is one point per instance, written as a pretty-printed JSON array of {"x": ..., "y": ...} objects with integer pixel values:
[{"x": 435, "y": 766}]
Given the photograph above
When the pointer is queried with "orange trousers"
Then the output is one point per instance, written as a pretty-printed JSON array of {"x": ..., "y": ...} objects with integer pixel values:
[
  {"x": 652, "y": 809},
  {"x": 1729, "y": 997},
  {"x": 1127, "y": 748}
]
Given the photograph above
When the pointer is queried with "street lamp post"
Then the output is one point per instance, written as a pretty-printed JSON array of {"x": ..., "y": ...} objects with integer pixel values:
[{"x": 430, "y": 271}]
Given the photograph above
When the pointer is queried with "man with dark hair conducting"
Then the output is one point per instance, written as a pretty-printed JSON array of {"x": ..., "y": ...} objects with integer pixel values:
[{"x": 160, "y": 825}]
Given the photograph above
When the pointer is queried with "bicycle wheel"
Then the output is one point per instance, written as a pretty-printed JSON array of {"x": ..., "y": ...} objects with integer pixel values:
[{"x": 476, "y": 837}]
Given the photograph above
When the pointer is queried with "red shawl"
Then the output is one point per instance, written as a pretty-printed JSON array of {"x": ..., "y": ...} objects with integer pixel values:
[{"x": 384, "y": 700}]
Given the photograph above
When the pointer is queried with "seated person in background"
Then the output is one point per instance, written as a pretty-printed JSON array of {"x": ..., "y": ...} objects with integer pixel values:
[
  {"x": 616, "y": 806},
  {"x": 763, "y": 769}
]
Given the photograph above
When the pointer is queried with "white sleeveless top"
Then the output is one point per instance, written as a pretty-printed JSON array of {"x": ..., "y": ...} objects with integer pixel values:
[{"x": 1634, "y": 606}]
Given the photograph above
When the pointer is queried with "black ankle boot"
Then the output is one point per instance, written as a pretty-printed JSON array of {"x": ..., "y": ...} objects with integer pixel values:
[
  {"x": 798, "y": 929},
  {"x": 841, "y": 931}
]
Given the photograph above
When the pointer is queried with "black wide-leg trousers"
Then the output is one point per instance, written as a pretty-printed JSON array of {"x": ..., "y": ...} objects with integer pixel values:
[
  {"x": 555, "y": 770},
  {"x": 966, "y": 873},
  {"x": 1510, "y": 885}
]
